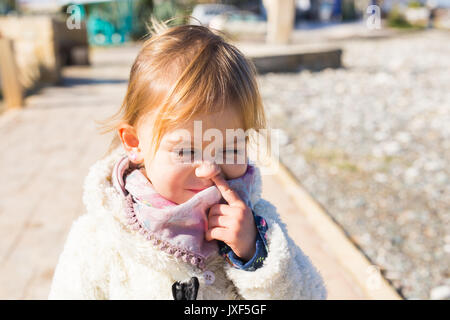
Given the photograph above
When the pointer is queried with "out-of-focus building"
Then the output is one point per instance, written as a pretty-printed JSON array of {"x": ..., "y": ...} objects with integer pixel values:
[
  {"x": 41, "y": 42},
  {"x": 108, "y": 22},
  {"x": 41, "y": 6}
]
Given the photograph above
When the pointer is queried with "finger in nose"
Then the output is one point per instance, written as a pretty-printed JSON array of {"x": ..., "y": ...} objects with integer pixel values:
[{"x": 207, "y": 169}]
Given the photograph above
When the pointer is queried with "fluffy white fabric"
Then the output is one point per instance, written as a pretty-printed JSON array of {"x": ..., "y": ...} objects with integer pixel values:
[{"x": 104, "y": 259}]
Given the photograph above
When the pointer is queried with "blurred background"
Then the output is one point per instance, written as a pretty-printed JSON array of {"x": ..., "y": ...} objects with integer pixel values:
[{"x": 360, "y": 91}]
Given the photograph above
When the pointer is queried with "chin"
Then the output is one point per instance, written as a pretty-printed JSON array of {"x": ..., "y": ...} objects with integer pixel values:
[
  {"x": 184, "y": 198},
  {"x": 190, "y": 194}
]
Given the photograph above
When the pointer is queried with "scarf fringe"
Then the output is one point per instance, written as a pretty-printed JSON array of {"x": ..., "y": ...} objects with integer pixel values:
[{"x": 179, "y": 253}]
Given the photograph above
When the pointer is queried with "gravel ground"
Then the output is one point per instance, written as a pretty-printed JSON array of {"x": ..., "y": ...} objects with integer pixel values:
[{"x": 371, "y": 142}]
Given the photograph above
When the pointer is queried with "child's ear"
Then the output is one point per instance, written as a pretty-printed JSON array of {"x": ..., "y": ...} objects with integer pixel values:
[
  {"x": 130, "y": 141},
  {"x": 128, "y": 136}
]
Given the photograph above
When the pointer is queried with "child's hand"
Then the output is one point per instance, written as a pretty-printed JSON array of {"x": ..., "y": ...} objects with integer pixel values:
[{"x": 232, "y": 223}]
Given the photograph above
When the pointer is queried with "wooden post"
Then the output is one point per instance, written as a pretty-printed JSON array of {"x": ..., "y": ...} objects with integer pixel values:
[
  {"x": 11, "y": 88},
  {"x": 280, "y": 20}
]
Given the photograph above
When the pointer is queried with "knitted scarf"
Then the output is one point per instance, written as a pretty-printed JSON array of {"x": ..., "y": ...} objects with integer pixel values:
[{"x": 177, "y": 229}]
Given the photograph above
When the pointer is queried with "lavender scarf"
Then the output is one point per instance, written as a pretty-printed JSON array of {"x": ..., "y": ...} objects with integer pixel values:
[{"x": 177, "y": 229}]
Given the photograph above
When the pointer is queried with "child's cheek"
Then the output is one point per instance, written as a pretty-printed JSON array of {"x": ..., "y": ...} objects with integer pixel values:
[{"x": 233, "y": 171}]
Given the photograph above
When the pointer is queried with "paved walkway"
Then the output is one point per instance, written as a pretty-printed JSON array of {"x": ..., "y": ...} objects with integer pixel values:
[
  {"x": 339, "y": 282},
  {"x": 47, "y": 150}
]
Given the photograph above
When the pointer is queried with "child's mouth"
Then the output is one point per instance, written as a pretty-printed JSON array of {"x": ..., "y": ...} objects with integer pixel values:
[{"x": 196, "y": 191}]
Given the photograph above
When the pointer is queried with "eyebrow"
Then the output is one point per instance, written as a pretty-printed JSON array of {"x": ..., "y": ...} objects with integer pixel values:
[{"x": 172, "y": 141}]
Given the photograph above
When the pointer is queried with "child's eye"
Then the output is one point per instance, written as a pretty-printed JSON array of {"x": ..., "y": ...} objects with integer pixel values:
[
  {"x": 185, "y": 155},
  {"x": 183, "y": 152},
  {"x": 229, "y": 156}
]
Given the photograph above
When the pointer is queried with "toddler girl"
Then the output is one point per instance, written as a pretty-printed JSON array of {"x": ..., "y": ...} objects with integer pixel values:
[{"x": 166, "y": 219}]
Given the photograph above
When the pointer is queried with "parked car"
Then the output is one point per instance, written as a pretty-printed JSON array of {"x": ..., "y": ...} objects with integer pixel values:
[
  {"x": 205, "y": 12},
  {"x": 237, "y": 17},
  {"x": 240, "y": 24}
]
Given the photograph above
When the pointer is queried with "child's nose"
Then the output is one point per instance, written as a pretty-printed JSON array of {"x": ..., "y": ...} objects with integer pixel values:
[{"x": 207, "y": 169}]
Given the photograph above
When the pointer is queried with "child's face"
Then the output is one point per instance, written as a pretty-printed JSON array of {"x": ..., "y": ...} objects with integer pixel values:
[{"x": 173, "y": 170}]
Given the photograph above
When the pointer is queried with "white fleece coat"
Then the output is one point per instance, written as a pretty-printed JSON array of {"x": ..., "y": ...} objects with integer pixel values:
[{"x": 103, "y": 258}]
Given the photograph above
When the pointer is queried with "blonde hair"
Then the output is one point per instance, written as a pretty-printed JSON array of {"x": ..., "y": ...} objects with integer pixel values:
[{"x": 183, "y": 71}]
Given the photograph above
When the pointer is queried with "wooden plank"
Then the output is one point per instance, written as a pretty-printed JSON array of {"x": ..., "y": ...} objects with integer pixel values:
[
  {"x": 293, "y": 57},
  {"x": 11, "y": 87}
]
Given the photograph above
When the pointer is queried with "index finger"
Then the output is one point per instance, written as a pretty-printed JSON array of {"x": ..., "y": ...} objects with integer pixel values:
[{"x": 228, "y": 194}]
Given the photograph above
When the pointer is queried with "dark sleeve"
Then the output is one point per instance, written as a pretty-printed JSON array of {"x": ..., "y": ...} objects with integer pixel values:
[{"x": 261, "y": 249}]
